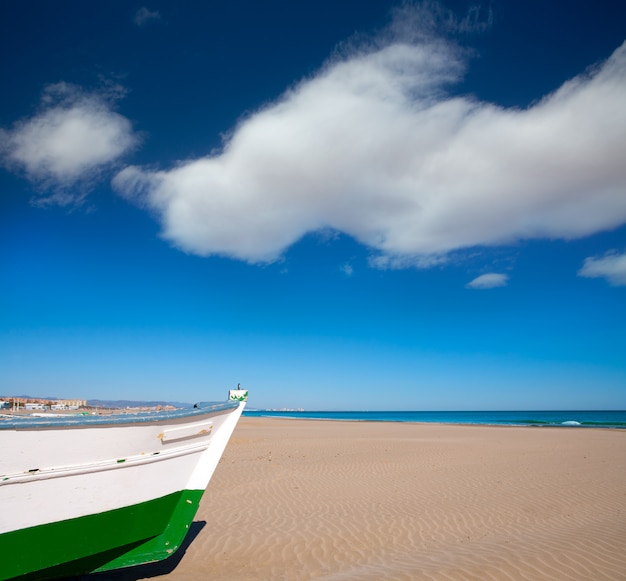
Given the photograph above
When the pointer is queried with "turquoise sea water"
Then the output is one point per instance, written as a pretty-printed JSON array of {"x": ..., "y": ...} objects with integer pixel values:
[{"x": 573, "y": 419}]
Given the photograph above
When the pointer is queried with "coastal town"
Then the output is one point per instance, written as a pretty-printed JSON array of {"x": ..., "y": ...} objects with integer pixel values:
[{"x": 17, "y": 404}]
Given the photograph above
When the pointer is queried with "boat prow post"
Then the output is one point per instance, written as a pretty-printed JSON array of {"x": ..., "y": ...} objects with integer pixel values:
[{"x": 240, "y": 395}]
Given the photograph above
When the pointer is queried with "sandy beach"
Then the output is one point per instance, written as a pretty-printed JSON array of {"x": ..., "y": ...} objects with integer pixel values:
[{"x": 297, "y": 500}]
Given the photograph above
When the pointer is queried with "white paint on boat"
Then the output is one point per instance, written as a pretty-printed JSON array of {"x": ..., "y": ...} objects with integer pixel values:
[{"x": 50, "y": 474}]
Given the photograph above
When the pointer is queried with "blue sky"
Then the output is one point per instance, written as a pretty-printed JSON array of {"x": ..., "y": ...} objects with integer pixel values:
[{"x": 339, "y": 205}]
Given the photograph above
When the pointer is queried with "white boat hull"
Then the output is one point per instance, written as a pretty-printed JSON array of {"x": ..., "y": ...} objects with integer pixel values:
[{"x": 55, "y": 479}]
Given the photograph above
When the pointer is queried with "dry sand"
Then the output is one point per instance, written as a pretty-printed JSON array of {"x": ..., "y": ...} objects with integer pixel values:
[{"x": 297, "y": 500}]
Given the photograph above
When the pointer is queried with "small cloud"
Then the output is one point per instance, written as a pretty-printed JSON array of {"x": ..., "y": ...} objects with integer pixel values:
[
  {"x": 490, "y": 280},
  {"x": 143, "y": 16},
  {"x": 611, "y": 266},
  {"x": 68, "y": 142},
  {"x": 399, "y": 262},
  {"x": 478, "y": 19},
  {"x": 347, "y": 269}
]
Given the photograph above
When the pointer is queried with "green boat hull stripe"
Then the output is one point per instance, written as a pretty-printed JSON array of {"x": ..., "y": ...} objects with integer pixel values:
[{"x": 145, "y": 532}]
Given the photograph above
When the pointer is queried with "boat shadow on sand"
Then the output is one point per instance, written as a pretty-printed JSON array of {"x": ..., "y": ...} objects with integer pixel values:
[{"x": 149, "y": 569}]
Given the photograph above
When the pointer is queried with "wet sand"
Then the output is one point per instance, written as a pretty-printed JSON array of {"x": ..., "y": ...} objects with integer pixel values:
[{"x": 297, "y": 500}]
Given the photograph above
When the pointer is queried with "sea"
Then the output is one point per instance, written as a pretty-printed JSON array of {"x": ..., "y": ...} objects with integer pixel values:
[{"x": 613, "y": 419}]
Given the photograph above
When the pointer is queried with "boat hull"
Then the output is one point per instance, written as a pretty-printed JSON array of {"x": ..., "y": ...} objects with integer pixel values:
[
  {"x": 124, "y": 537},
  {"x": 95, "y": 496}
]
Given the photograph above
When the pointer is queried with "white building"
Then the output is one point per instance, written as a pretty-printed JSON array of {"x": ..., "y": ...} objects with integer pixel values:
[{"x": 69, "y": 404}]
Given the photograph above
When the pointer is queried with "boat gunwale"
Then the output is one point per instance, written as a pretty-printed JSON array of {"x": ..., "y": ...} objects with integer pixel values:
[{"x": 117, "y": 419}]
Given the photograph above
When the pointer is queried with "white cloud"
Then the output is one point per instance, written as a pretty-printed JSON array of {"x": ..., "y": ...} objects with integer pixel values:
[
  {"x": 143, "y": 16},
  {"x": 347, "y": 269},
  {"x": 398, "y": 262},
  {"x": 490, "y": 280},
  {"x": 69, "y": 140},
  {"x": 611, "y": 266},
  {"x": 372, "y": 146}
]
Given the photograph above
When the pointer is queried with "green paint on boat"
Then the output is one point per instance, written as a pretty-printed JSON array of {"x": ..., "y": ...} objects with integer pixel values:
[{"x": 142, "y": 533}]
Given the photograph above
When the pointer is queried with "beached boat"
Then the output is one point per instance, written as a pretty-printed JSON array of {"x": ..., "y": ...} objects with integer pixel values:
[{"x": 87, "y": 493}]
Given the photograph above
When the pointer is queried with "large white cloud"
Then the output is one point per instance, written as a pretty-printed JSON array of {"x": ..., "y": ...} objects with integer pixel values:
[
  {"x": 372, "y": 146},
  {"x": 71, "y": 137}
]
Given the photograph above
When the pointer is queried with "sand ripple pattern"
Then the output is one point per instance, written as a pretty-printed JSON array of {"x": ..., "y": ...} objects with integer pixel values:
[{"x": 296, "y": 500}]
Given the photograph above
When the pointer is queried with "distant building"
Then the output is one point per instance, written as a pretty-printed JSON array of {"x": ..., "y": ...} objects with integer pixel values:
[
  {"x": 70, "y": 404},
  {"x": 41, "y": 403}
]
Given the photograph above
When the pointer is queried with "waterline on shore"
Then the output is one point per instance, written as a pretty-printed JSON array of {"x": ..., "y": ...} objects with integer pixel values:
[{"x": 613, "y": 419}]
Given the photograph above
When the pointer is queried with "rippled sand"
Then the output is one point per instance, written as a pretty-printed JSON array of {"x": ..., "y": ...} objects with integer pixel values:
[{"x": 296, "y": 500}]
